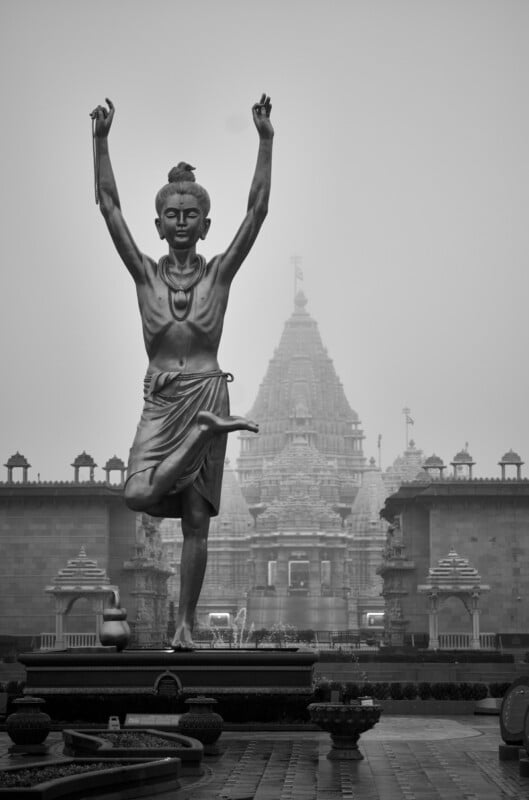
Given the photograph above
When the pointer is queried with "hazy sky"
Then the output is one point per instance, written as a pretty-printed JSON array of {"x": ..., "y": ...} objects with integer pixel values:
[{"x": 401, "y": 178}]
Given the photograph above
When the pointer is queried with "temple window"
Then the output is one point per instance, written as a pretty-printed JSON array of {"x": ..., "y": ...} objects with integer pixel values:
[{"x": 298, "y": 574}]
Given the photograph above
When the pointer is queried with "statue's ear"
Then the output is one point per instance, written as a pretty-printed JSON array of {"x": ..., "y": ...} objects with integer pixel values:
[
  {"x": 159, "y": 227},
  {"x": 205, "y": 228}
]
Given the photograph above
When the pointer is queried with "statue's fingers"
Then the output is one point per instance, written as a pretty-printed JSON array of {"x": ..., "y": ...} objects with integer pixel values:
[{"x": 110, "y": 103}]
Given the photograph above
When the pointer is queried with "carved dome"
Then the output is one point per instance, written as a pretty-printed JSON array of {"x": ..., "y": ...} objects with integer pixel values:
[
  {"x": 510, "y": 457},
  {"x": 17, "y": 460},
  {"x": 463, "y": 457},
  {"x": 433, "y": 461},
  {"x": 114, "y": 463},
  {"x": 84, "y": 460}
]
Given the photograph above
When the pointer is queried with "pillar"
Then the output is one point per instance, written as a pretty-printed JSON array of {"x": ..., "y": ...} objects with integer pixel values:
[
  {"x": 59, "y": 626},
  {"x": 433, "y": 623},
  {"x": 475, "y": 643},
  {"x": 99, "y": 617}
]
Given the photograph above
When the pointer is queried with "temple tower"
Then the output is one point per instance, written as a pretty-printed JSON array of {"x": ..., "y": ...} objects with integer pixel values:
[{"x": 302, "y": 396}]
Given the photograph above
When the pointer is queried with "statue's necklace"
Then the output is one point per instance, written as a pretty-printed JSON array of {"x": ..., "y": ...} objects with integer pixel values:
[{"x": 181, "y": 287}]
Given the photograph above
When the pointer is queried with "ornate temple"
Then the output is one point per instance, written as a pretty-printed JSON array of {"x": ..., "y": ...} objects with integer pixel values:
[{"x": 298, "y": 538}]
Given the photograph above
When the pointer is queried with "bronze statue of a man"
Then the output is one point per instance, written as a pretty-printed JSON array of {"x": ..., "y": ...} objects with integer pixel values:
[{"x": 177, "y": 457}]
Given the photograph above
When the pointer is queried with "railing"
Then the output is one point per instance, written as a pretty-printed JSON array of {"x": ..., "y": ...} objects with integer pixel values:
[
  {"x": 48, "y": 640},
  {"x": 463, "y": 641}
]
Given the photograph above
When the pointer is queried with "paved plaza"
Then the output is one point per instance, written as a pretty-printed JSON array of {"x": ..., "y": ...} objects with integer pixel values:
[{"x": 405, "y": 758}]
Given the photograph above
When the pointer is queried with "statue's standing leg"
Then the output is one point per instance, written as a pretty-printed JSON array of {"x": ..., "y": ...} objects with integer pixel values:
[{"x": 195, "y": 528}]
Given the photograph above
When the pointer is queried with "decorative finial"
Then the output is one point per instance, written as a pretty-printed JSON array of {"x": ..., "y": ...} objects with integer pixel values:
[{"x": 300, "y": 301}]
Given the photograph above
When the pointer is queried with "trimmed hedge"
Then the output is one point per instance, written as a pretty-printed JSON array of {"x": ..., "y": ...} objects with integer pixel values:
[
  {"x": 408, "y": 691},
  {"x": 264, "y": 707},
  {"x": 418, "y": 657}
]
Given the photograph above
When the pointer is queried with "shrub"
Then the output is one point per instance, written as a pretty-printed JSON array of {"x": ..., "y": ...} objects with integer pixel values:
[
  {"x": 498, "y": 689},
  {"x": 438, "y": 691},
  {"x": 367, "y": 689},
  {"x": 306, "y": 635},
  {"x": 480, "y": 691},
  {"x": 351, "y": 691},
  {"x": 322, "y": 690},
  {"x": 445, "y": 691},
  {"x": 466, "y": 691},
  {"x": 410, "y": 691},
  {"x": 337, "y": 686},
  {"x": 425, "y": 690},
  {"x": 395, "y": 691},
  {"x": 381, "y": 690}
]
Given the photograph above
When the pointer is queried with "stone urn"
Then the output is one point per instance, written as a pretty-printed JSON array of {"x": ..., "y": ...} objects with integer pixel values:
[
  {"x": 202, "y": 723},
  {"x": 28, "y": 725},
  {"x": 345, "y": 722},
  {"x": 115, "y": 630}
]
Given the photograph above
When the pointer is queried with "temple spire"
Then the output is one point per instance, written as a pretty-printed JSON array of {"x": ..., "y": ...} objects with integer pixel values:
[{"x": 298, "y": 274}]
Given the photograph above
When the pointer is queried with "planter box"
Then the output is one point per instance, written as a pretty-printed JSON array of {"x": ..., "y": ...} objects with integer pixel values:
[
  {"x": 139, "y": 778},
  {"x": 91, "y": 742},
  {"x": 428, "y": 707}
]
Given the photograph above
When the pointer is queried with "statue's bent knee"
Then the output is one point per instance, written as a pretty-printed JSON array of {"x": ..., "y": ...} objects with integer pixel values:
[{"x": 138, "y": 494}]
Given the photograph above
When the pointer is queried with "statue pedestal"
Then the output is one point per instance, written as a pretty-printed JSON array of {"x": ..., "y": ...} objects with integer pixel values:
[{"x": 203, "y": 672}]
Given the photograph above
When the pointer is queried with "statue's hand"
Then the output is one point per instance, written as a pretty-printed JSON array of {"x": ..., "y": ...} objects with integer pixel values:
[
  {"x": 103, "y": 119},
  {"x": 261, "y": 117}
]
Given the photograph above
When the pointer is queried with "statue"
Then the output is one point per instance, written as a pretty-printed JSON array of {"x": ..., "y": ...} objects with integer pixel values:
[{"x": 177, "y": 456}]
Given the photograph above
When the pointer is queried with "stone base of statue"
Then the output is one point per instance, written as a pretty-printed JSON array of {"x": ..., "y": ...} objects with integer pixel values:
[{"x": 168, "y": 672}]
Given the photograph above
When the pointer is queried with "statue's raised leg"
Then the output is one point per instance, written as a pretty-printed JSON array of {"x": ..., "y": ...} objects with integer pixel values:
[{"x": 145, "y": 489}]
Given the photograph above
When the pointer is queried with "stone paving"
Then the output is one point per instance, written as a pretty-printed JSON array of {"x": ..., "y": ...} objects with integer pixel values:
[{"x": 405, "y": 758}]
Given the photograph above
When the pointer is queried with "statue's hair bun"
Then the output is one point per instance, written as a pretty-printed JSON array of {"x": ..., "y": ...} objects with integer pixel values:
[{"x": 182, "y": 172}]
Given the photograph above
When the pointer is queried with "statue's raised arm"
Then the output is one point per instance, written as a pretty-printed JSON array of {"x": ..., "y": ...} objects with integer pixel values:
[
  {"x": 259, "y": 194},
  {"x": 107, "y": 192}
]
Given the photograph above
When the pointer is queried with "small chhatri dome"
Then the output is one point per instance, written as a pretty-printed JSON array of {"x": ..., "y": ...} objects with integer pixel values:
[
  {"x": 112, "y": 463},
  {"x": 17, "y": 460},
  {"x": 84, "y": 460},
  {"x": 463, "y": 457},
  {"x": 433, "y": 461},
  {"x": 510, "y": 457}
]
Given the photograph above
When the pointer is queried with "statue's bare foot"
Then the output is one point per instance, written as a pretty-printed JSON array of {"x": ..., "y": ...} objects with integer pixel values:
[
  {"x": 215, "y": 424},
  {"x": 183, "y": 639}
]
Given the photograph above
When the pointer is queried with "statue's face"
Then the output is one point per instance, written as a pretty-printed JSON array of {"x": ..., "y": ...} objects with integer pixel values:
[{"x": 181, "y": 221}]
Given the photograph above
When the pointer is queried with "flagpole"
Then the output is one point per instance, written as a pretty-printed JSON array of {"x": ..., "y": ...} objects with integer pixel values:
[
  {"x": 296, "y": 262},
  {"x": 407, "y": 418}
]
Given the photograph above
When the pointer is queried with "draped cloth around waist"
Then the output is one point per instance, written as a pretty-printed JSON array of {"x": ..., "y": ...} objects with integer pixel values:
[{"x": 171, "y": 404}]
